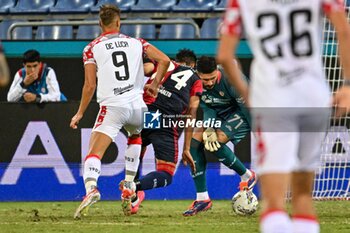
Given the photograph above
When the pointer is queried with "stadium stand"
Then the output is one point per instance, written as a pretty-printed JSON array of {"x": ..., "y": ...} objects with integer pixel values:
[
  {"x": 88, "y": 32},
  {"x": 177, "y": 31},
  {"x": 72, "y": 6},
  {"x": 124, "y": 5},
  {"x": 32, "y": 6},
  {"x": 54, "y": 33},
  {"x": 154, "y": 5},
  {"x": 5, "y": 5},
  {"x": 20, "y": 33},
  {"x": 221, "y": 6},
  {"x": 210, "y": 28},
  {"x": 147, "y": 31},
  {"x": 195, "y": 5}
]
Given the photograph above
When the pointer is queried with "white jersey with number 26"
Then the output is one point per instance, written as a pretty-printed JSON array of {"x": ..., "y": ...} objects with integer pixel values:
[
  {"x": 120, "y": 75},
  {"x": 285, "y": 37}
]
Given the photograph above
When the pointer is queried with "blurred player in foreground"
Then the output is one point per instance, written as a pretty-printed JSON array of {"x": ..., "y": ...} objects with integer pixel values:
[
  {"x": 178, "y": 97},
  {"x": 114, "y": 61},
  {"x": 221, "y": 102},
  {"x": 287, "y": 73},
  {"x": 4, "y": 69}
]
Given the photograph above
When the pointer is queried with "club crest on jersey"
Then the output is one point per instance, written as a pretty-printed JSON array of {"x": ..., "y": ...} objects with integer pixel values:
[
  {"x": 221, "y": 93},
  {"x": 151, "y": 120}
]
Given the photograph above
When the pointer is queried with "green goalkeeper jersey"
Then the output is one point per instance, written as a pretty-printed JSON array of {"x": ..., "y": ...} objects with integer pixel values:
[{"x": 222, "y": 101}]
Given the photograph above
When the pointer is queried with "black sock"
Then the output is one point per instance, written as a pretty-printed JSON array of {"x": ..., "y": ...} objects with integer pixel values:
[{"x": 153, "y": 180}]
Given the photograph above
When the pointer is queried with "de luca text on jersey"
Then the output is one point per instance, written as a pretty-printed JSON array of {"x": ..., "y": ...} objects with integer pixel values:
[{"x": 116, "y": 44}]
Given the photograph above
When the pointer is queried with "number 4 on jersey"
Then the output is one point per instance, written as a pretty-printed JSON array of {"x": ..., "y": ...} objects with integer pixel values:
[{"x": 181, "y": 78}]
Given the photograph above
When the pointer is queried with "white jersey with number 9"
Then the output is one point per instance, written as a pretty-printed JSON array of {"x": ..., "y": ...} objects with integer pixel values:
[{"x": 119, "y": 67}]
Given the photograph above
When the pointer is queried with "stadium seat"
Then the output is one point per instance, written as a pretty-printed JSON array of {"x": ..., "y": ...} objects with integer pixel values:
[
  {"x": 19, "y": 33},
  {"x": 177, "y": 31},
  {"x": 154, "y": 5},
  {"x": 72, "y": 6},
  {"x": 32, "y": 6},
  {"x": 145, "y": 31},
  {"x": 195, "y": 5},
  {"x": 54, "y": 33},
  {"x": 124, "y": 5},
  {"x": 210, "y": 28},
  {"x": 88, "y": 32},
  {"x": 221, "y": 6},
  {"x": 5, "y": 5}
]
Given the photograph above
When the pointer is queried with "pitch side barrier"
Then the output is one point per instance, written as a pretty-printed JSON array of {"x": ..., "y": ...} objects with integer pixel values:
[{"x": 41, "y": 158}]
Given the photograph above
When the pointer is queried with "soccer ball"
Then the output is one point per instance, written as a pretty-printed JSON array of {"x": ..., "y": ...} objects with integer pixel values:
[{"x": 244, "y": 202}]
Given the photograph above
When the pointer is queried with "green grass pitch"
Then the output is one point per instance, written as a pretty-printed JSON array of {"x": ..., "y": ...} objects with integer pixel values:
[{"x": 153, "y": 216}]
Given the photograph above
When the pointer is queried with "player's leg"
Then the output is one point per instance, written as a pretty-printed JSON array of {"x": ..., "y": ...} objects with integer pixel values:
[
  {"x": 304, "y": 216},
  {"x": 106, "y": 127},
  {"x": 165, "y": 144},
  {"x": 202, "y": 202},
  {"x": 234, "y": 130},
  {"x": 303, "y": 213},
  {"x": 132, "y": 156},
  {"x": 277, "y": 156}
]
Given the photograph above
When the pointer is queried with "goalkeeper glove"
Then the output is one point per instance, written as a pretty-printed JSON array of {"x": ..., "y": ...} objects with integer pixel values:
[{"x": 210, "y": 140}]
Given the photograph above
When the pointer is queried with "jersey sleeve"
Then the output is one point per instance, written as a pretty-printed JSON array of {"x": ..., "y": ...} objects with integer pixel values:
[
  {"x": 88, "y": 56},
  {"x": 197, "y": 88},
  {"x": 145, "y": 45},
  {"x": 16, "y": 90},
  {"x": 232, "y": 23},
  {"x": 329, "y": 6}
]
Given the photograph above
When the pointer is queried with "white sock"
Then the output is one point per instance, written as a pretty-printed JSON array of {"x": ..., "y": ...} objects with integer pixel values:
[
  {"x": 305, "y": 224},
  {"x": 203, "y": 196},
  {"x": 132, "y": 160},
  {"x": 92, "y": 170},
  {"x": 246, "y": 175},
  {"x": 275, "y": 221},
  {"x": 90, "y": 185}
]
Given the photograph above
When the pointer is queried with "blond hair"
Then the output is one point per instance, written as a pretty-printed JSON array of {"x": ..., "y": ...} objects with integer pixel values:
[{"x": 108, "y": 13}]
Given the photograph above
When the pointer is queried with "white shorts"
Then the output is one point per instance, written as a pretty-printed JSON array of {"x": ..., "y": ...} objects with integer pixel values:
[
  {"x": 288, "y": 142},
  {"x": 111, "y": 119}
]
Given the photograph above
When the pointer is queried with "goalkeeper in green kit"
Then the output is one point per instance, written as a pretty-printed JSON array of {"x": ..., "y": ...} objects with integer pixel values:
[{"x": 222, "y": 102}]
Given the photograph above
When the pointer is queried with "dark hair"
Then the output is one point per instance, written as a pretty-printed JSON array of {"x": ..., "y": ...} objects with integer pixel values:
[
  {"x": 186, "y": 56},
  {"x": 107, "y": 14},
  {"x": 206, "y": 65},
  {"x": 31, "y": 56}
]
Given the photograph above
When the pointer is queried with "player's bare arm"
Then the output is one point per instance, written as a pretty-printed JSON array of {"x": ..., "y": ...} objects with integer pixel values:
[
  {"x": 87, "y": 94},
  {"x": 192, "y": 112},
  {"x": 4, "y": 71},
  {"x": 163, "y": 65},
  {"x": 342, "y": 27},
  {"x": 225, "y": 57}
]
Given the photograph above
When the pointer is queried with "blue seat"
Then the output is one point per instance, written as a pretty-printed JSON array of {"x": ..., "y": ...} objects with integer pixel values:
[
  {"x": 154, "y": 5},
  {"x": 5, "y": 5},
  {"x": 54, "y": 33},
  {"x": 19, "y": 33},
  {"x": 88, "y": 32},
  {"x": 195, "y": 5},
  {"x": 32, "y": 6},
  {"x": 211, "y": 28},
  {"x": 124, "y": 5},
  {"x": 221, "y": 6},
  {"x": 177, "y": 31},
  {"x": 72, "y": 6},
  {"x": 145, "y": 31}
]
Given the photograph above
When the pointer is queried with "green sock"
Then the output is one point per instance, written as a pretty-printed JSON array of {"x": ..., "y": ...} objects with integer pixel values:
[
  {"x": 199, "y": 178},
  {"x": 227, "y": 157}
]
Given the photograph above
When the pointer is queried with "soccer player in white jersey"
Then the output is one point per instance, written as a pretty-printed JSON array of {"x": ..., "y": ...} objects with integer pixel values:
[
  {"x": 287, "y": 72},
  {"x": 113, "y": 61}
]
